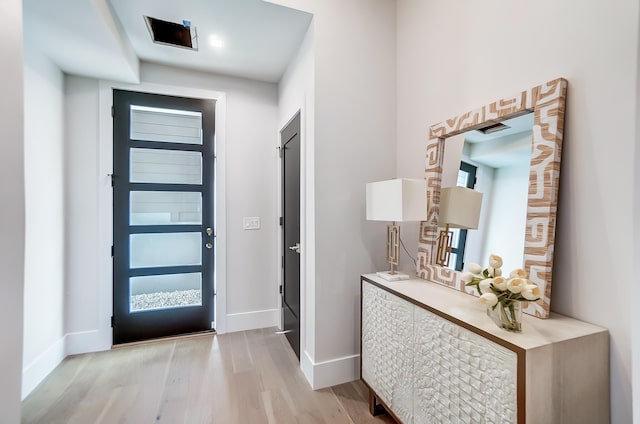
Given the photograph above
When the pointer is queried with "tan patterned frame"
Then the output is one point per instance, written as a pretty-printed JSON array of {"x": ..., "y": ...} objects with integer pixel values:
[{"x": 547, "y": 102}]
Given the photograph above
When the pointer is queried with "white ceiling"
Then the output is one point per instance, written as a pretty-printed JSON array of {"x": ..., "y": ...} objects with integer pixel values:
[
  {"x": 105, "y": 38},
  {"x": 516, "y": 125}
]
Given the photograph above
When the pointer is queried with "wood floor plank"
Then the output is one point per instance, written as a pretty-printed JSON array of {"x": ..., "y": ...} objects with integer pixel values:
[
  {"x": 350, "y": 396},
  {"x": 245, "y": 377}
]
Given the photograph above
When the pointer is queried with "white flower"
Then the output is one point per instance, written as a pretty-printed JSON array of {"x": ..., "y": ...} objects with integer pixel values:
[
  {"x": 518, "y": 273},
  {"x": 474, "y": 268},
  {"x": 488, "y": 299},
  {"x": 515, "y": 285},
  {"x": 485, "y": 285},
  {"x": 495, "y": 261},
  {"x": 531, "y": 292},
  {"x": 500, "y": 283},
  {"x": 466, "y": 277}
]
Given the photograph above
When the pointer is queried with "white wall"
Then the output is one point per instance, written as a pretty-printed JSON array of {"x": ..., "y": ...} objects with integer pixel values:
[
  {"x": 45, "y": 222},
  {"x": 82, "y": 294},
  {"x": 635, "y": 305},
  {"x": 443, "y": 71},
  {"x": 355, "y": 109},
  {"x": 250, "y": 116},
  {"x": 12, "y": 219},
  {"x": 508, "y": 220}
]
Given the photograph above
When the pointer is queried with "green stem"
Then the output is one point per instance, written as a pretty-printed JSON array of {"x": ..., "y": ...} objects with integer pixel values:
[{"x": 509, "y": 320}]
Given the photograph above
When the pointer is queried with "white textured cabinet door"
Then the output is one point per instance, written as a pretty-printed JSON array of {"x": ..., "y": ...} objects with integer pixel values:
[
  {"x": 459, "y": 376},
  {"x": 387, "y": 358}
]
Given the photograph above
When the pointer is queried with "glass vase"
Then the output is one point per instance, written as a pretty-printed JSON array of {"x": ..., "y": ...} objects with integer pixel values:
[{"x": 507, "y": 315}]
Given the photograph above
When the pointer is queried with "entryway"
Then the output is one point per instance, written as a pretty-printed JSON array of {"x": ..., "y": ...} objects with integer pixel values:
[{"x": 163, "y": 235}]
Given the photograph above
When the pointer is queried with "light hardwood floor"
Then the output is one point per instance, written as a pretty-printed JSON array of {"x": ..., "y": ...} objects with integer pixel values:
[{"x": 245, "y": 377}]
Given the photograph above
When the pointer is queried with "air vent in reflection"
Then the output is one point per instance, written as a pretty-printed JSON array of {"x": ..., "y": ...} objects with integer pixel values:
[{"x": 493, "y": 128}]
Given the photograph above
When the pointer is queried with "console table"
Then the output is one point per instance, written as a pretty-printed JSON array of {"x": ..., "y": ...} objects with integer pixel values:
[{"x": 430, "y": 354}]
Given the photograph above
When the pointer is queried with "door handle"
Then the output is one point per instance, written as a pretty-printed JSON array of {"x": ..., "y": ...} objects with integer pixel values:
[
  {"x": 295, "y": 248},
  {"x": 209, "y": 231}
]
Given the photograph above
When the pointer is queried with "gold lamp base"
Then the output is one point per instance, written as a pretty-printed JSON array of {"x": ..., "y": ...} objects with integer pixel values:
[
  {"x": 393, "y": 255},
  {"x": 445, "y": 240}
]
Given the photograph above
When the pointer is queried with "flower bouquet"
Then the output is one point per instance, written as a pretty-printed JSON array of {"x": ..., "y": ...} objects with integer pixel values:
[{"x": 502, "y": 296}]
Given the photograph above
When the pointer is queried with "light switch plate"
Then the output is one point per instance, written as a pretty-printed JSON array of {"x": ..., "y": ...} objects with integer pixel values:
[{"x": 251, "y": 223}]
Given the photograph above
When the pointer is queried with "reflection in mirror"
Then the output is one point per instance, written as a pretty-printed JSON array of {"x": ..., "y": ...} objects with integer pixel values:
[
  {"x": 547, "y": 103},
  {"x": 495, "y": 162}
]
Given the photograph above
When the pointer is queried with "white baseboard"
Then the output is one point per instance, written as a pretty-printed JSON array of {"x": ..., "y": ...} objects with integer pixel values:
[
  {"x": 87, "y": 341},
  {"x": 306, "y": 363},
  {"x": 330, "y": 373},
  {"x": 253, "y": 320},
  {"x": 41, "y": 367}
]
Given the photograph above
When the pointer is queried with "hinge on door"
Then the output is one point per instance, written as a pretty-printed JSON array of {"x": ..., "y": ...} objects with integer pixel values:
[
  {"x": 280, "y": 288},
  {"x": 280, "y": 151},
  {"x": 112, "y": 251},
  {"x": 113, "y": 111},
  {"x": 281, "y": 221},
  {"x": 282, "y": 264},
  {"x": 111, "y": 321},
  {"x": 113, "y": 179}
]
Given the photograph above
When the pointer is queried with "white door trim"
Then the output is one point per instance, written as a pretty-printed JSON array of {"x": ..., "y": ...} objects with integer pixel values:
[{"x": 105, "y": 196}]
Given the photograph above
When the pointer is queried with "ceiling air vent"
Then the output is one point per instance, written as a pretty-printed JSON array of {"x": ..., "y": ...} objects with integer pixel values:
[
  {"x": 493, "y": 128},
  {"x": 172, "y": 34}
]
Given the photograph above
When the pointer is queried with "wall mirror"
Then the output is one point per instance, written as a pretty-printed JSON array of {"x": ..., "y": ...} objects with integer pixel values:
[{"x": 542, "y": 108}]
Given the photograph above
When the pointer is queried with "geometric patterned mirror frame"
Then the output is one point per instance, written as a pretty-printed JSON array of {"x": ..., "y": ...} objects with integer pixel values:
[{"x": 547, "y": 102}]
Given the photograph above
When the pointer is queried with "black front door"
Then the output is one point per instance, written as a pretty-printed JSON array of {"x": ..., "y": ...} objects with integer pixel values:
[
  {"x": 290, "y": 153},
  {"x": 163, "y": 237}
]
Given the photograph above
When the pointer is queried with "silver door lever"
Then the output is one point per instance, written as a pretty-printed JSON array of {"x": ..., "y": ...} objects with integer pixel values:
[{"x": 295, "y": 248}]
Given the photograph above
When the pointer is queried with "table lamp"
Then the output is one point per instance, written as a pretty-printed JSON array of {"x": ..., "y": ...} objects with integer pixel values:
[
  {"x": 399, "y": 200},
  {"x": 459, "y": 208}
]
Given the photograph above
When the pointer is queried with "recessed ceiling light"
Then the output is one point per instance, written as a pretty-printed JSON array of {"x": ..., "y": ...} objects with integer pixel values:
[{"x": 216, "y": 41}]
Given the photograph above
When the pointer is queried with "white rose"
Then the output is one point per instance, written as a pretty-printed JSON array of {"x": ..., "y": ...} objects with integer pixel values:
[
  {"x": 466, "y": 277},
  {"x": 488, "y": 299},
  {"x": 495, "y": 261},
  {"x": 500, "y": 283},
  {"x": 474, "y": 268},
  {"x": 531, "y": 292},
  {"x": 495, "y": 272},
  {"x": 485, "y": 285},
  {"x": 515, "y": 285},
  {"x": 518, "y": 273}
]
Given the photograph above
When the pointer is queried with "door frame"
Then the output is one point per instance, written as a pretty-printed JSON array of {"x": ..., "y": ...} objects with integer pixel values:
[{"x": 104, "y": 337}]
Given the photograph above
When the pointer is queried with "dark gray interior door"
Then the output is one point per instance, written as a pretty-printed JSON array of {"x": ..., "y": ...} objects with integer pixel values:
[
  {"x": 290, "y": 153},
  {"x": 163, "y": 234}
]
